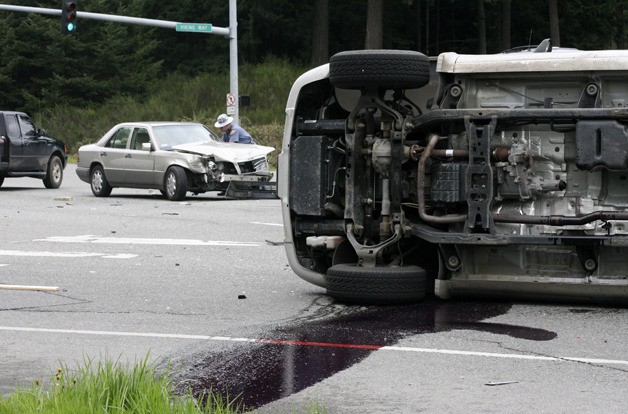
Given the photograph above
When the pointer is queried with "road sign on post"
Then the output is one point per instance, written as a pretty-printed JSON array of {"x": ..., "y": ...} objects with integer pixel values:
[
  {"x": 231, "y": 101},
  {"x": 194, "y": 27}
]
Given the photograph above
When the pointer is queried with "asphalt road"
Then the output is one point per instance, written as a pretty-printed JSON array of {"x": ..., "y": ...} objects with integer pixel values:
[{"x": 204, "y": 285}]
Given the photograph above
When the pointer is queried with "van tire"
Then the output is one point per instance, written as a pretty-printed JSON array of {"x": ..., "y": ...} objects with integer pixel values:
[
  {"x": 389, "y": 69},
  {"x": 376, "y": 285}
]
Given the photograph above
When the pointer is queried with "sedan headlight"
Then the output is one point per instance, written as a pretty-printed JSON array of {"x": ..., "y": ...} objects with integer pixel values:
[{"x": 197, "y": 163}]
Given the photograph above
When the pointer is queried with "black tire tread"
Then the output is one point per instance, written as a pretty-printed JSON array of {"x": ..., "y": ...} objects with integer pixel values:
[
  {"x": 376, "y": 285},
  {"x": 390, "y": 69},
  {"x": 182, "y": 183},
  {"x": 106, "y": 188},
  {"x": 49, "y": 181}
]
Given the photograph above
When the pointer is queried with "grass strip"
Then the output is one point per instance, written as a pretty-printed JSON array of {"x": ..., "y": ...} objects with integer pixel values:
[{"x": 111, "y": 387}]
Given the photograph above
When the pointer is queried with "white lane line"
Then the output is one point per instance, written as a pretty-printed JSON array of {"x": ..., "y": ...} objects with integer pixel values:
[
  {"x": 130, "y": 240},
  {"x": 104, "y": 333},
  {"x": 317, "y": 344},
  {"x": 30, "y": 253},
  {"x": 30, "y": 287},
  {"x": 469, "y": 353},
  {"x": 267, "y": 224}
]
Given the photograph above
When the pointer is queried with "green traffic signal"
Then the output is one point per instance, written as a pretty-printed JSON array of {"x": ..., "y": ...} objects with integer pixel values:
[{"x": 68, "y": 15}]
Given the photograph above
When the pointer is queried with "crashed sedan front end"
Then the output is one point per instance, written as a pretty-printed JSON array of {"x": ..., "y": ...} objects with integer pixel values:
[{"x": 219, "y": 164}]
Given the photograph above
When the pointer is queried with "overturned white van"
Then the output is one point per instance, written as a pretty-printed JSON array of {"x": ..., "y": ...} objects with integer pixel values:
[{"x": 495, "y": 175}]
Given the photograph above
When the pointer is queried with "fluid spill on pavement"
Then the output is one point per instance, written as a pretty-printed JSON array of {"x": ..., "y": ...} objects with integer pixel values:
[{"x": 260, "y": 373}]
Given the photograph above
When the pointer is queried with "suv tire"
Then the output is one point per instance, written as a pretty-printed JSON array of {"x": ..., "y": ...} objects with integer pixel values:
[{"x": 54, "y": 175}]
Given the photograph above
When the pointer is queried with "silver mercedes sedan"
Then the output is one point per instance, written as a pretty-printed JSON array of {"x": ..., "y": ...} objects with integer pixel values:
[{"x": 172, "y": 157}]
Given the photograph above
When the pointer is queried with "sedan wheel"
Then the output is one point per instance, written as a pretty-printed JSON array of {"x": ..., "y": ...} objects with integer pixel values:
[
  {"x": 54, "y": 176},
  {"x": 100, "y": 185},
  {"x": 176, "y": 183}
]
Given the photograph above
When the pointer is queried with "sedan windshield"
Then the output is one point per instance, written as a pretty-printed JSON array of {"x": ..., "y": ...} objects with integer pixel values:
[{"x": 168, "y": 136}]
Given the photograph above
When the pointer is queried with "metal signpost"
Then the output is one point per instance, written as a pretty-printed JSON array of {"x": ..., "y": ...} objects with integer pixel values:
[
  {"x": 233, "y": 59},
  {"x": 231, "y": 32}
]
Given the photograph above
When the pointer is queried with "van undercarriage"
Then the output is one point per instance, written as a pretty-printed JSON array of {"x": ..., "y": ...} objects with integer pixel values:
[{"x": 496, "y": 175}]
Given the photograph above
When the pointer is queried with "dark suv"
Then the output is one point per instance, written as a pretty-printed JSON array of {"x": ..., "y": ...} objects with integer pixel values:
[{"x": 26, "y": 151}]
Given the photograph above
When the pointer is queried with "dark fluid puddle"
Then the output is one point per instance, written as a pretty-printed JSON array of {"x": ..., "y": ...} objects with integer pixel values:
[{"x": 259, "y": 373}]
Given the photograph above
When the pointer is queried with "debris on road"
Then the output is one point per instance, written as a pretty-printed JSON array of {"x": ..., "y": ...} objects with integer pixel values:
[{"x": 493, "y": 383}]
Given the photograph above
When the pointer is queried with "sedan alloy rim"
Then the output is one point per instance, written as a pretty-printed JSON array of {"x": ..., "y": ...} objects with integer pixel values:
[
  {"x": 97, "y": 181},
  {"x": 171, "y": 184}
]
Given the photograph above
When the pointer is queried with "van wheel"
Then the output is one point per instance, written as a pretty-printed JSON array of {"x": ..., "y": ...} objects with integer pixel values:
[
  {"x": 389, "y": 69},
  {"x": 376, "y": 285},
  {"x": 54, "y": 175},
  {"x": 176, "y": 183}
]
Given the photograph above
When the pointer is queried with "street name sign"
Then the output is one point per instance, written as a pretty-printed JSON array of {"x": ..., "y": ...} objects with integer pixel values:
[{"x": 194, "y": 27}]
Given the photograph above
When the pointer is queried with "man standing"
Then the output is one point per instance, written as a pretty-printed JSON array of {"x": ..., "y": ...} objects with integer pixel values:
[{"x": 232, "y": 132}]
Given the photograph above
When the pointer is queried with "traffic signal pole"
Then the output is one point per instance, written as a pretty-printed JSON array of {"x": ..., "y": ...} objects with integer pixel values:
[
  {"x": 164, "y": 24},
  {"x": 230, "y": 32},
  {"x": 233, "y": 62}
]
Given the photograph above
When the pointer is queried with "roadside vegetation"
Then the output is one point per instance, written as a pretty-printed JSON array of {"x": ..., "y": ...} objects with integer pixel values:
[
  {"x": 110, "y": 387},
  {"x": 180, "y": 97}
]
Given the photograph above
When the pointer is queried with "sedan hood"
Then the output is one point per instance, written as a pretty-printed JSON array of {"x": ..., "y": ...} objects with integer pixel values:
[{"x": 224, "y": 151}]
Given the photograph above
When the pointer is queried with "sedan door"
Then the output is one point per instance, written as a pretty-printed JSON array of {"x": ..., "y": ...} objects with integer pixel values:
[
  {"x": 139, "y": 163},
  {"x": 112, "y": 156}
]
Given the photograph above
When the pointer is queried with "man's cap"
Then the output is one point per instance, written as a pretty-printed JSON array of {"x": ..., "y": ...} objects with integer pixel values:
[{"x": 223, "y": 120}]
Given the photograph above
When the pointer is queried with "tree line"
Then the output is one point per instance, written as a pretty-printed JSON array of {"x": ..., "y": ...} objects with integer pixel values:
[{"x": 40, "y": 67}]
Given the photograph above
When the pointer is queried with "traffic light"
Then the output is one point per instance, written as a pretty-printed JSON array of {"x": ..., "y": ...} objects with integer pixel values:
[{"x": 68, "y": 15}]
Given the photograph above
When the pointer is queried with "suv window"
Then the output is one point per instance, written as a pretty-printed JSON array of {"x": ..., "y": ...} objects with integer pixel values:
[
  {"x": 13, "y": 128},
  {"x": 27, "y": 126},
  {"x": 119, "y": 138}
]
